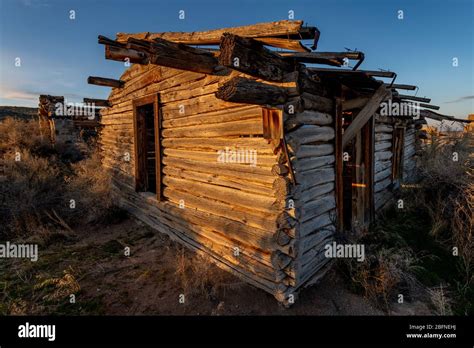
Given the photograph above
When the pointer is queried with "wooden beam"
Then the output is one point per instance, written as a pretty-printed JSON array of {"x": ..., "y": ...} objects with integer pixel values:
[
  {"x": 314, "y": 60},
  {"x": 174, "y": 55},
  {"x": 160, "y": 52},
  {"x": 428, "y": 106},
  {"x": 103, "y": 40},
  {"x": 329, "y": 58},
  {"x": 440, "y": 117},
  {"x": 389, "y": 74},
  {"x": 288, "y": 31},
  {"x": 243, "y": 90},
  {"x": 251, "y": 57},
  {"x": 365, "y": 114},
  {"x": 355, "y": 103},
  {"x": 102, "y": 81},
  {"x": 97, "y": 102},
  {"x": 400, "y": 86},
  {"x": 409, "y": 97},
  {"x": 123, "y": 54}
]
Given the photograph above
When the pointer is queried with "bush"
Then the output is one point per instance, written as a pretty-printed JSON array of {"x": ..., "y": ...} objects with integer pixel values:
[
  {"x": 42, "y": 179},
  {"x": 447, "y": 194},
  {"x": 411, "y": 250}
]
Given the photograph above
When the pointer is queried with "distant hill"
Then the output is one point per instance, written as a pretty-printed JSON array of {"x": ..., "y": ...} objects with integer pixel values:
[{"x": 17, "y": 112}]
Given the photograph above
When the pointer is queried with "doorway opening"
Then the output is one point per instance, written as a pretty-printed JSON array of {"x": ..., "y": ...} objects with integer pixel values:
[
  {"x": 147, "y": 146},
  {"x": 357, "y": 178}
]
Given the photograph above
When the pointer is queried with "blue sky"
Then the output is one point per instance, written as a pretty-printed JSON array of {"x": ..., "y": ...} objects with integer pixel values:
[{"x": 58, "y": 54}]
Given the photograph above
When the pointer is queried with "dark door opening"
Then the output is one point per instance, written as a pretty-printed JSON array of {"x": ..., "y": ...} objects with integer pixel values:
[
  {"x": 147, "y": 146},
  {"x": 357, "y": 178},
  {"x": 398, "y": 141}
]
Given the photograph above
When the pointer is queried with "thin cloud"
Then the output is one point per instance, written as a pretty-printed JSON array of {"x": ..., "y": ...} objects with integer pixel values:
[
  {"x": 20, "y": 95},
  {"x": 467, "y": 97}
]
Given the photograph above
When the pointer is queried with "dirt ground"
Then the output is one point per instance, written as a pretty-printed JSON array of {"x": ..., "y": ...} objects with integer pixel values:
[{"x": 91, "y": 263}]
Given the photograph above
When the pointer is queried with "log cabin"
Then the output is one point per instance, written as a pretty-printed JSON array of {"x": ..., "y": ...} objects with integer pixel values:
[
  {"x": 63, "y": 123},
  {"x": 249, "y": 154}
]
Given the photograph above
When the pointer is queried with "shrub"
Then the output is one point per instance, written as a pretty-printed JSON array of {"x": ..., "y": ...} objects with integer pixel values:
[{"x": 41, "y": 179}]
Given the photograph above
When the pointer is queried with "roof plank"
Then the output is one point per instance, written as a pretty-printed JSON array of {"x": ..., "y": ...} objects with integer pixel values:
[{"x": 282, "y": 34}]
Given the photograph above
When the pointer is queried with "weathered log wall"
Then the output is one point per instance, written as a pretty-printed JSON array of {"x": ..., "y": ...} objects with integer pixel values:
[
  {"x": 309, "y": 134},
  {"x": 227, "y": 210},
  {"x": 409, "y": 153},
  {"x": 251, "y": 219},
  {"x": 383, "y": 162},
  {"x": 267, "y": 221}
]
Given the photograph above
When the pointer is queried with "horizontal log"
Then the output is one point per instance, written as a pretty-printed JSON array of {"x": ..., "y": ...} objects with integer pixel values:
[
  {"x": 219, "y": 143},
  {"x": 379, "y": 146},
  {"x": 196, "y": 106},
  {"x": 312, "y": 178},
  {"x": 226, "y": 195},
  {"x": 233, "y": 128},
  {"x": 251, "y": 57},
  {"x": 382, "y": 165},
  {"x": 309, "y": 134},
  {"x": 316, "y": 191},
  {"x": 314, "y": 239},
  {"x": 243, "y": 90},
  {"x": 356, "y": 103},
  {"x": 329, "y": 58},
  {"x": 156, "y": 80},
  {"x": 383, "y": 155},
  {"x": 97, "y": 102},
  {"x": 411, "y": 97},
  {"x": 265, "y": 222},
  {"x": 190, "y": 90},
  {"x": 123, "y": 54},
  {"x": 308, "y": 117},
  {"x": 428, "y": 106},
  {"x": 220, "y": 116},
  {"x": 266, "y": 33},
  {"x": 200, "y": 245},
  {"x": 190, "y": 223},
  {"x": 237, "y": 181},
  {"x": 244, "y": 157},
  {"x": 400, "y": 86},
  {"x": 316, "y": 208},
  {"x": 381, "y": 185},
  {"x": 379, "y": 137},
  {"x": 260, "y": 175},
  {"x": 309, "y": 101},
  {"x": 305, "y": 151},
  {"x": 382, "y": 174},
  {"x": 175, "y": 55},
  {"x": 314, "y": 224},
  {"x": 388, "y": 74},
  {"x": 305, "y": 164},
  {"x": 102, "y": 81},
  {"x": 383, "y": 128}
]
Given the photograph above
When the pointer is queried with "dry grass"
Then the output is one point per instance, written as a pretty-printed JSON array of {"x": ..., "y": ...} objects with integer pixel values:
[
  {"x": 440, "y": 300},
  {"x": 385, "y": 273},
  {"x": 447, "y": 194},
  {"x": 416, "y": 244},
  {"x": 42, "y": 180},
  {"x": 54, "y": 289},
  {"x": 198, "y": 275}
]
